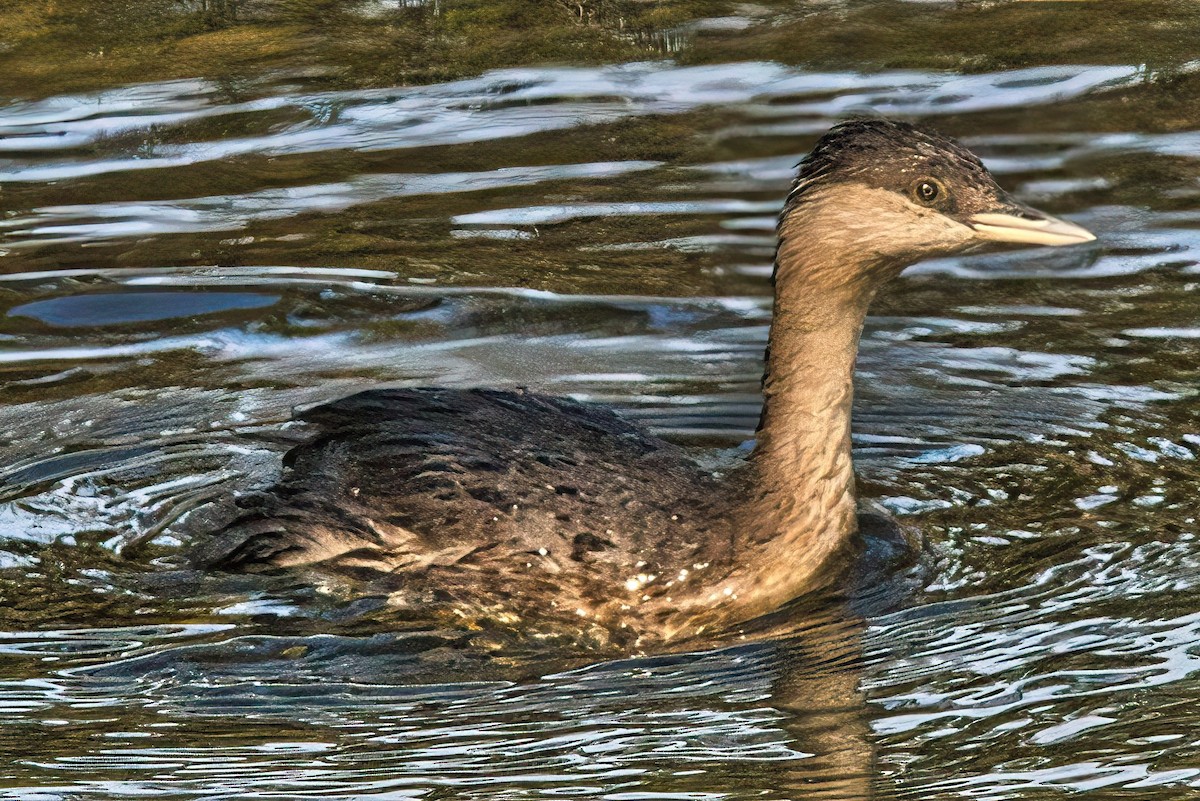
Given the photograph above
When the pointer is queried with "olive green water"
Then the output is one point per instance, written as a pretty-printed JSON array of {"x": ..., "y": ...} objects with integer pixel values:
[{"x": 218, "y": 211}]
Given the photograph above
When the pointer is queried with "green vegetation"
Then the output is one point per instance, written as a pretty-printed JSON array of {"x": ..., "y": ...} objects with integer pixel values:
[
  {"x": 50, "y": 47},
  {"x": 77, "y": 44},
  {"x": 968, "y": 36}
]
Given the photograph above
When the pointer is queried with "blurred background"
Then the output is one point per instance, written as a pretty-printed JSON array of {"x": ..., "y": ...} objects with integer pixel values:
[{"x": 216, "y": 211}]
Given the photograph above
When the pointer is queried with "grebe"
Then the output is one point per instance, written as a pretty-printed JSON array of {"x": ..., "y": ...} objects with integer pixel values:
[{"x": 518, "y": 505}]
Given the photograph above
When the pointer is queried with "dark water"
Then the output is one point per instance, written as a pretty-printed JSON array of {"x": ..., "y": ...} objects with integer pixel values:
[{"x": 216, "y": 212}]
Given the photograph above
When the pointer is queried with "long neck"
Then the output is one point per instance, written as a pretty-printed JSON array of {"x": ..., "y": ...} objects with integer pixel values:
[
  {"x": 796, "y": 511},
  {"x": 801, "y": 509}
]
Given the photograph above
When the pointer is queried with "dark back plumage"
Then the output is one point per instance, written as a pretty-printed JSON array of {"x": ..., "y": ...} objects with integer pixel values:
[{"x": 475, "y": 493}]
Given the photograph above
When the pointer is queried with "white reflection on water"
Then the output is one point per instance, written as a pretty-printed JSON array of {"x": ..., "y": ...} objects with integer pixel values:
[
  {"x": 99, "y": 221},
  {"x": 499, "y": 105},
  {"x": 449, "y": 112}
]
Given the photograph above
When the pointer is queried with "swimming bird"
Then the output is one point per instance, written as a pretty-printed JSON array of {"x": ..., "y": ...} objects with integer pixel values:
[{"x": 519, "y": 506}]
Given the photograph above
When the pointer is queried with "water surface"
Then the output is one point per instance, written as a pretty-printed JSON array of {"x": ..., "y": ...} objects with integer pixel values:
[{"x": 217, "y": 212}]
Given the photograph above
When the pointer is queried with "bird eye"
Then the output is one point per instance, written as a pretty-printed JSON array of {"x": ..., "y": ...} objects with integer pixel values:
[{"x": 927, "y": 191}]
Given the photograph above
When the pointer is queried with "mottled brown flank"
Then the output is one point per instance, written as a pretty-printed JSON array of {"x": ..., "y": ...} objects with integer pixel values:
[
  {"x": 483, "y": 500},
  {"x": 507, "y": 506}
]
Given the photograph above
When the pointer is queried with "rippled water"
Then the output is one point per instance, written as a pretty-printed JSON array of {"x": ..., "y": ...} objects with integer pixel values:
[{"x": 189, "y": 257}]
